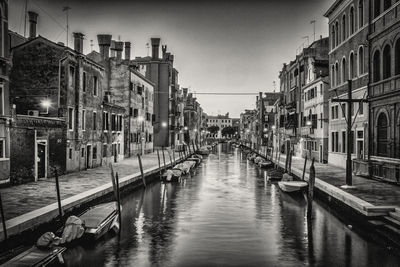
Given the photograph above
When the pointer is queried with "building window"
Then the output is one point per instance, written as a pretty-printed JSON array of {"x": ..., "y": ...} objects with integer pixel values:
[
  {"x": 94, "y": 152},
  {"x": 82, "y": 152},
  {"x": 351, "y": 67},
  {"x": 70, "y": 118},
  {"x": 95, "y": 86},
  {"x": 120, "y": 123},
  {"x": 397, "y": 57},
  {"x": 83, "y": 119},
  {"x": 2, "y": 148},
  {"x": 344, "y": 28},
  {"x": 386, "y": 4},
  {"x": 337, "y": 33},
  {"x": 382, "y": 135},
  {"x": 113, "y": 122},
  {"x": 104, "y": 150},
  {"x": 70, "y": 153},
  {"x": 361, "y": 108},
  {"x": 84, "y": 81},
  {"x": 377, "y": 66},
  {"x": 131, "y": 86},
  {"x": 344, "y": 110},
  {"x": 344, "y": 70},
  {"x": 377, "y": 8},
  {"x": 360, "y": 60},
  {"x": 337, "y": 76},
  {"x": 333, "y": 42},
  {"x": 386, "y": 62},
  {"x": 105, "y": 121},
  {"x": 94, "y": 120},
  {"x": 352, "y": 21},
  {"x": 1, "y": 100},
  {"x": 71, "y": 77},
  {"x": 135, "y": 112},
  {"x": 344, "y": 142},
  {"x": 361, "y": 13}
]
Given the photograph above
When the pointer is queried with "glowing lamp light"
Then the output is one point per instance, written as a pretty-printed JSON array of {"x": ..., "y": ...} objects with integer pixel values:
[
  {"x": 247, "y": 130},
  {"x": 140, "y": 118},
  {"x": 46, "y": 103},
  {"x": 195, "y": 130},
  {"x": 265, "y": 129},
  {"x": 308, "y": 123},
  {"x": 186, "y": 128},
  {"x": 163, "y": 124},
  {"x": 273, "y": 127}
]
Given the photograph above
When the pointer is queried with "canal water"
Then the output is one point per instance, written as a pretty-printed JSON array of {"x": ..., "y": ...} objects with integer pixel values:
[{"x": 227, "y": 214}]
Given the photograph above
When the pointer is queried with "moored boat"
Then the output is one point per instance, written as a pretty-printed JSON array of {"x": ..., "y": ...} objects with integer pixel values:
[
  {"x": 292, "y": 186},
  {"x": 38, "y": 257}
]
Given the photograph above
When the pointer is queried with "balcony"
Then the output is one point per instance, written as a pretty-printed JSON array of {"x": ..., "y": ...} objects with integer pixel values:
[
  {"x": 385, "y": 86},
  {"x": 386, "y": 19}
]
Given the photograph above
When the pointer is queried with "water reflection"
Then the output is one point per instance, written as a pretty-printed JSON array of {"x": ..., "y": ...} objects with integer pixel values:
[{"x": 228, "y": 214}]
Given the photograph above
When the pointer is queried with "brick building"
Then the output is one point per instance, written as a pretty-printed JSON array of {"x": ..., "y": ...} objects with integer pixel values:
[
  {"x": 128, "y": 88},
  {"x": 52, "y": 80},
  {"x": 348, "y": 60},
  {"x": 4, "y": 95},
  {"x": 384, "y": 90},
  {"x": 161, "y": 72}
]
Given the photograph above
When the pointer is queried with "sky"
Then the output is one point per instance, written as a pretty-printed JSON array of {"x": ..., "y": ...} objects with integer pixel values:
[{"x": 219, "y": 45}]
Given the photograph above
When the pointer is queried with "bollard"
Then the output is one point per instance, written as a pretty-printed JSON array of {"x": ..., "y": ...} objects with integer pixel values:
[
  {"x": 3, "y": 219},
  {"x": 163, "y": 156},
  {"x": 304, "y": 169},
  {"x": 159, "y": 162},
  {"x": 310, "y": 195},
  {"x": 60, "y": 212},
  {"x": 118, "y": 201},
  {"x": 141, "y": 170}
]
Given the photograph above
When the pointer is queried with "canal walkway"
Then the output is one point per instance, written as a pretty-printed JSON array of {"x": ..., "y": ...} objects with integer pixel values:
[
  {"x": 369, "y": 197},
  {"x": 27, "y": 203}
]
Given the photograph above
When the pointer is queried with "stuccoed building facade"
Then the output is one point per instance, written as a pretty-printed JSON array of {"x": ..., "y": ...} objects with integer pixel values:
[
  {"x": 127, "y": 88},
  {"x": 160, "y": 72},
  {"x": 52, "y": 80},
  {"x": 348, "y": 60}
]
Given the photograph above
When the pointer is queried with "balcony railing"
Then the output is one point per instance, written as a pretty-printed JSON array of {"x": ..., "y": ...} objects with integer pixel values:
[{"x": 385, "y": 86}]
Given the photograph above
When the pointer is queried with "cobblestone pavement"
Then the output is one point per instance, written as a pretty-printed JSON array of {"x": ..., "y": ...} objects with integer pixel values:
[
  {"x": 372, "y": 191},
  {"x": 20, "y": 199}
]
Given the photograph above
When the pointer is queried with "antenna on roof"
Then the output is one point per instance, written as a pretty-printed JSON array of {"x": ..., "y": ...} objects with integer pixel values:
[
  {"x": 147, "y": 46},
  {"x": 66, "y": 9},
  {"x": 274, "y": 84},
  {"x": 91, "y": 44}
]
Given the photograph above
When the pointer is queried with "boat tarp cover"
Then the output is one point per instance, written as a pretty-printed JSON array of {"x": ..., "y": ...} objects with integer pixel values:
[
  {"x": 96, "y": 215},
  {"x": 73, "y": 229}
]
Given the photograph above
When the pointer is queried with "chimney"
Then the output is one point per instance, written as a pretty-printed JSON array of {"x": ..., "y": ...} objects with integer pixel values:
[
  {"x": 164, "y": 50},
  {"x": 127, "y": 50},
  {"x": 78, "y": 42},
  {"x": 112, "y": 48},
  {"x": 155, "y": 44},
  {"x": 32, "y": 23},
  {"x": 104, "y": 41},
  {"x": 119, "y": 46}
]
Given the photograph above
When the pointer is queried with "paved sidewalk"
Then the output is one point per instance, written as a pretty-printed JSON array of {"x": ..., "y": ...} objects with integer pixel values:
[
  {"x": 375, "y": 192},
  {"x": 20, "y": 199}
]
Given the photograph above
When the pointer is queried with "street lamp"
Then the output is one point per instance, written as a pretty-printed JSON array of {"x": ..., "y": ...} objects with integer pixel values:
[
  {"x": 309, "y": 124},
  {"x": 164, "y": 124},
  {"x": 46, "y": 103}
]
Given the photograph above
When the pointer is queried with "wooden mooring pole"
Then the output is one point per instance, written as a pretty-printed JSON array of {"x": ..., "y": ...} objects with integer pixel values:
[
  {"x": 169, "y": 155},
  {"x": 287, "y": 159},
  {"x": 141, "y": 170},
  {"x": 304, "y": 169},
  {"x": 163, "y": 156},
  {"x": 3, "y": 219},
  {"x": 290, "y": 161},
  {"x": 60, "y": 212},
  {"x": 310, "y": 193},
  {"x": 173, "y": 155},
  {"x": 119, "y": 200},
  {"x": 159, "y": 162}
]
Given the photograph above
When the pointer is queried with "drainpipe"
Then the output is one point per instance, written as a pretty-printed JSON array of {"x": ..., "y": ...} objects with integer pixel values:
[{"x": 368, "y": 86}]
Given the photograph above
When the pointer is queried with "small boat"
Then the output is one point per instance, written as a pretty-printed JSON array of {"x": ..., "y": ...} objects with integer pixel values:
[
  {"x": 265, "y": 164},
  {"x": 99, "y": 220},
  {"x": 38, "y": 257},
  {"x": 204, "y": 151},
  {"x": 172, "y": 175},
  {"x": 292, "y": 186}
]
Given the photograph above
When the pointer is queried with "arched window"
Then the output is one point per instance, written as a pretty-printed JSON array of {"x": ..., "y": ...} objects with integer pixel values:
[
  {"x": 337, "y": 76},
  {"x": 333, "y": 37},
  {"x": 337, "y": 34},
  {"x": 344, "y": 70},
  {"x": 382, "y": 135},
  {"x": 352, "y": 21},
  {"x": 377, "y": 8},
  {"x": 360, "y": 60},
  {"x": 387, "y": 4},
  {"x": 361, "y": 13},
  {"x": 397, "y": 57},
  {"x": 377, "y": 66},
  {"x": 333, "y": 75},
  {"x": 344, "y": 27},
  {"x": 386, "y": 62},
  {"x": 351, "y": 66}
]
